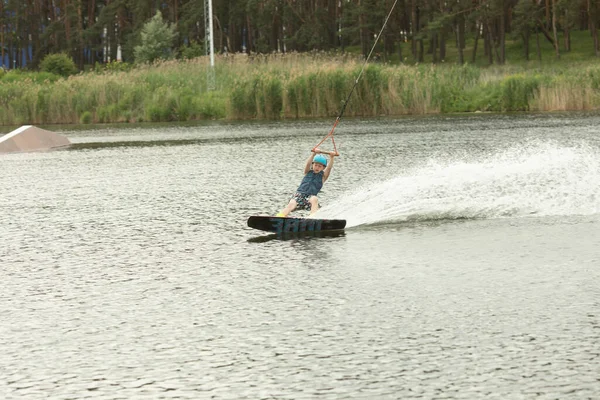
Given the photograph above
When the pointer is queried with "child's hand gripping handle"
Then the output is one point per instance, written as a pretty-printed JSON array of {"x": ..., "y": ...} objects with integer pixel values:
[{"x": 319, "y": 151}]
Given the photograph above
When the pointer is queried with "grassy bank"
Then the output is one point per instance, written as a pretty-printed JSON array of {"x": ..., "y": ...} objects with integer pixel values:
[{"x": 293, "y": 86}]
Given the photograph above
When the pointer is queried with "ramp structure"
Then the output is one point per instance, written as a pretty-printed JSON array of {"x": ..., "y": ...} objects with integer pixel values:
[{"x": 31, "y": 138}]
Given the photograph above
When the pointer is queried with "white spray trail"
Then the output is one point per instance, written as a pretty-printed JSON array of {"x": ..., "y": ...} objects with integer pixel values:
[{"x": 532, "y": 180}]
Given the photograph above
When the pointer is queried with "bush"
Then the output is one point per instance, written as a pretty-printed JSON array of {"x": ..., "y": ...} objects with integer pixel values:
[
  {"x": 517, "y": 91},
  {"x": 59, "y": 64},
  {"x": 211, "y": 106},
  {"x": 117, "y": 66},
  {"x": 194, "y": 50},
  {"x": 86, "y": 117}
]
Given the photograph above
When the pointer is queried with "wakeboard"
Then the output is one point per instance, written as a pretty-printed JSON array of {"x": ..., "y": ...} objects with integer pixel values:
[{"x": 294, "y": 225}]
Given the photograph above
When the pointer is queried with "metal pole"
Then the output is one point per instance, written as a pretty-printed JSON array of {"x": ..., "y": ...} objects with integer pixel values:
[
  {"x": 210, "y": 44},
  {"x": 210, "y": 27}
]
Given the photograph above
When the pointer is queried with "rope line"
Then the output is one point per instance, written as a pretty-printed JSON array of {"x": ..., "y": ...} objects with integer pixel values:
[{"x": 337, "y": 120}]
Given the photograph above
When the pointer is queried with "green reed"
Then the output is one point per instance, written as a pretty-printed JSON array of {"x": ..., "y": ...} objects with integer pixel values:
[{"x": 290, "y": 86}]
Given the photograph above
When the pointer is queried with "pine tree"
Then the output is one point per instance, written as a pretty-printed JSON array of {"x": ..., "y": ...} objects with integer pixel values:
[{"x": 157, "y": 40}]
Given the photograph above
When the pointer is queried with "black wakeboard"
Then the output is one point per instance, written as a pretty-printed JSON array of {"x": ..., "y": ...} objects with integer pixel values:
[{"x": 294, "y": 225}]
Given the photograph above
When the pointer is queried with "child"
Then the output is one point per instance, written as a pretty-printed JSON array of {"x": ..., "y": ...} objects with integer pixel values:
[{"x": 314, "y": 178}]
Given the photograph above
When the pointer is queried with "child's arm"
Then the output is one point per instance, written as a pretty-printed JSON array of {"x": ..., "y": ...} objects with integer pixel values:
[
  {"x": 310, "y": 160},
  {"x": 327, "y": 170}
]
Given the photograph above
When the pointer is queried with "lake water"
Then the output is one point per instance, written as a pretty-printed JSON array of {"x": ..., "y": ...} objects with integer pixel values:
[{"x": 470, "y": 267}]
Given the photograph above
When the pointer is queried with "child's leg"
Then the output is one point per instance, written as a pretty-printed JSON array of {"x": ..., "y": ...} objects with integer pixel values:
[
  {"x": 288, "y": 209},
  {"x": 314, "y": 204}
]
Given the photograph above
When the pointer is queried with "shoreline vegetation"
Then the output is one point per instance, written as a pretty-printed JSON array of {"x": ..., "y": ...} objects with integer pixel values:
[{"x": 290, "y": 86}]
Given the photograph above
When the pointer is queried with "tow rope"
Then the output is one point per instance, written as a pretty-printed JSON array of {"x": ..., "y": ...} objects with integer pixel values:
[{"x": 337, "y": 120}]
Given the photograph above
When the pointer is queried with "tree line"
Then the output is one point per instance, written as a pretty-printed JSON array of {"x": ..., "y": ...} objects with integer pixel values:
[{"x": 92, "y": 31}]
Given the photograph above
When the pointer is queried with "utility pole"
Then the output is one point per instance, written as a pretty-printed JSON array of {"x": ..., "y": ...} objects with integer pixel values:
[{"x": 209, "y": 44}]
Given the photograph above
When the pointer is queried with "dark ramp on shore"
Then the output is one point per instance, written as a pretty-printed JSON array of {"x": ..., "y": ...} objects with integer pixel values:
[{"x": 31, "y": 138}]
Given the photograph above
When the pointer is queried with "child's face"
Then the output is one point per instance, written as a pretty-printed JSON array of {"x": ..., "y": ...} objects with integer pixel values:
[{"x": 317, "y": 167}]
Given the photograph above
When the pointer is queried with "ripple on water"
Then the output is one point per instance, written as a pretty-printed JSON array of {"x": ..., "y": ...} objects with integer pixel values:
[{"x": 128, "y": 271}]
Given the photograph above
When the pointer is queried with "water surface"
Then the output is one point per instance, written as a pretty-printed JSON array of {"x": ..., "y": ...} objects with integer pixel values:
[{"x": 469, "y": 268}]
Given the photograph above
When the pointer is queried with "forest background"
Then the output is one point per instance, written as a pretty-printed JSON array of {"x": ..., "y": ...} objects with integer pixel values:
[{"x": 296, "y": 58}]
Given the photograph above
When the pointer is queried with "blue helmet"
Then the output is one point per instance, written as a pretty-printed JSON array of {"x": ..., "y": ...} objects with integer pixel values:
[{"x": 321, "y": 159}]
